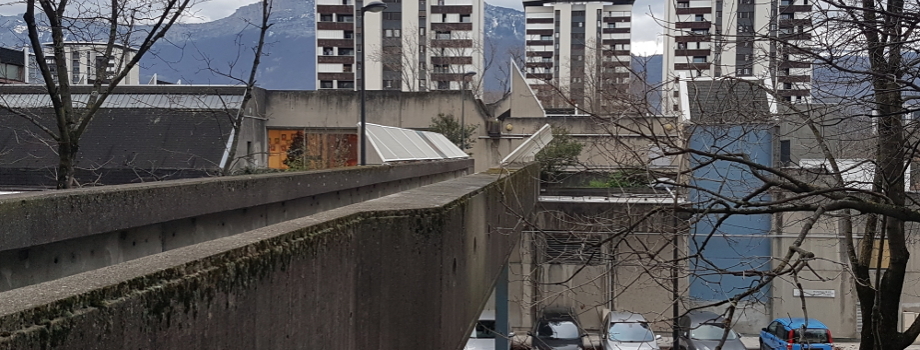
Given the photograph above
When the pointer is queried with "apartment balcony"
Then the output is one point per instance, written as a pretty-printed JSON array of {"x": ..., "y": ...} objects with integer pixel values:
[
  {"x": 446, "y": 76},
  {"x": 616, "y": 19},
  {"x": 335, "y": 59},
  {"x": 539, "y": 54},
  {"x": 693, "y": 10},
  {"x": 793, "y": 79},
  {"x": 451, "y": 43},
  {"x": 539, "y": 20},
  {"x": 697, "y": 52},
  {"x": 795, "y": 8},
  {"x": 693, "y": 38},
  {"x": 616, "y": 30},
  {"x": 794, "y": 64},
  {"x": 616, "y": 53},
  {"x": 451, "y": 60},
  {"x": 794, "y": 92},
  {"x": 693, "y": 25},
  {"x": 789, "y": 23},
  {"x": 615, "y": 41},
  {"x": 335, "y": 9},
  {"x": 538, "y": 64},
  {"x": 461, "y": 9},
  {"x": 348, "y": 43},
  {"x": 692, "y": 66},
  {"x": 335, "y": 26},
  {"x": 540, "y": 32},
  {"x": 451, "y": 26},
  {"x": 335, "y": 76},
  {"x": 541, "y": 76}
]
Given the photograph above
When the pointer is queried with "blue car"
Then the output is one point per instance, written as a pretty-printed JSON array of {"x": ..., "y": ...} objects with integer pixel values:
[{"x": 796, "y": 334}]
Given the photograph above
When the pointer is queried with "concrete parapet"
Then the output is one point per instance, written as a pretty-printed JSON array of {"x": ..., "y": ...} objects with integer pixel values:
[
  {"x": 405, "y": 271},
  {"x": 52, "y": 234}
]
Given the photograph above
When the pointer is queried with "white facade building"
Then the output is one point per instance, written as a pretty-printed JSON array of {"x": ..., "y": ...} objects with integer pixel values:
[
  {"x": 85, "y": 61},
  {"x": 578, "y": 52},
  {"x": 415, "y": 45},
  {"x": 740, "y": 38}
]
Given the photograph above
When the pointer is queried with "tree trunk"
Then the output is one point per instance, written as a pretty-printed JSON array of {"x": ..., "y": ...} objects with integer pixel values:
[{"x": 67, "y": 157}]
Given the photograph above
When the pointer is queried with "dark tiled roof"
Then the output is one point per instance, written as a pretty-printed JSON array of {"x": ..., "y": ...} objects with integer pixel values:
[
  {"x": 728, "y": 101},
  {"x": 123, "y": 145}
]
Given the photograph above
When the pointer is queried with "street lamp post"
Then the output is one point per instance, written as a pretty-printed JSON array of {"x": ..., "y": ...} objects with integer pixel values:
[
  {"x": 373, "y": 6},
  {"x": 466, "y": 76}
]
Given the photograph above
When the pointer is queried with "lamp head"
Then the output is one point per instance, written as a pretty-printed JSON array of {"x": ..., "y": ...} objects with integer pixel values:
[{"x": 374, "y": 6}]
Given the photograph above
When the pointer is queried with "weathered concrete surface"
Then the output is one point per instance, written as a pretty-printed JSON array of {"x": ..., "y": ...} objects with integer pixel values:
[
  {"x": 406, "y": 271},
  {"x": 54, "y": 234}
]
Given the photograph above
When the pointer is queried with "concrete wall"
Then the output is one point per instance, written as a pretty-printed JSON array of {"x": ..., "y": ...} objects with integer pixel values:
[
  {"x": 406, "y": 271},
  {"x": 49, "y": 235}
]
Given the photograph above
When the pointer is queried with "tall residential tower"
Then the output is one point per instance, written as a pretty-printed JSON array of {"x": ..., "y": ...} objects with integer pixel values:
[
  {"x": 738, "y": 38},
  {"x": 414, "y": 45},
  {"x": 577, "y": 52}
]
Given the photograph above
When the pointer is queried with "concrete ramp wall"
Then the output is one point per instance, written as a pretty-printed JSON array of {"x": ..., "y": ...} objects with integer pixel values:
[
  {"x": 49, "y": 235},
  {"x": 405, "y": 271}
]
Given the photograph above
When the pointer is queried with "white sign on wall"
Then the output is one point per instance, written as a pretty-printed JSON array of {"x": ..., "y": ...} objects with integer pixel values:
[{"x": 815, "y": 293}]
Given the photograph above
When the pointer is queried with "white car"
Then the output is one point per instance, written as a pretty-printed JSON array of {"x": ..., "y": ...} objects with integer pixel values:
[
  {"x": 628, "y": 331},
  {"x": 483, "y": 337}
]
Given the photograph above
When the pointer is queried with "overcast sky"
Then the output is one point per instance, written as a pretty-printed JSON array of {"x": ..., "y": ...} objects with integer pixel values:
[{"x": 645, "y": 28}]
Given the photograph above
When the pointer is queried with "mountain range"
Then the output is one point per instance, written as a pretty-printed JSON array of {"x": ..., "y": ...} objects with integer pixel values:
[{"x": 204, "y": 53}]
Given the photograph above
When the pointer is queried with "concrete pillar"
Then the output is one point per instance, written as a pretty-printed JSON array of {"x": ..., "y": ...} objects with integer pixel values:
[{"x": 502, "y": 326}]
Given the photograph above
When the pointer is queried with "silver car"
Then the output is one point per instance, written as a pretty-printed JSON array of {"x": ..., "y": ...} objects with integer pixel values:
[{"x": 628, "y": 331}]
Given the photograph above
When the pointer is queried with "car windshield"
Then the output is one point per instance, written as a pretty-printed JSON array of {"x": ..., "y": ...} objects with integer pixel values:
[
  {"x": 630, "y": 332},
  {"x": 558, "y": 330},
  {"x": 711, "y": 332},
  {"x": 484, "y": 329},
  {"x": 812, "y": 335}
]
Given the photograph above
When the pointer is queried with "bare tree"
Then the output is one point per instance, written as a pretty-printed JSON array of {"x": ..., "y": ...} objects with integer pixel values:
[{"x": 114, "y": 27}]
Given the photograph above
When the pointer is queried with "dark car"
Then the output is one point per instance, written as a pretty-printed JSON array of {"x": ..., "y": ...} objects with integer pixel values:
[
  {"x": 703, "y": 330},
  {"x": 557, "y": 330},
  {"x": 796, "y": 334}
]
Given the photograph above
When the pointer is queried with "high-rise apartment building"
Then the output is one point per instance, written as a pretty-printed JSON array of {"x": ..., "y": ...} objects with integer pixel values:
[
  {"x": 738, "y": 38},
  {"x": 413, "y": 45},
  {"x": 577, "y": 52}
]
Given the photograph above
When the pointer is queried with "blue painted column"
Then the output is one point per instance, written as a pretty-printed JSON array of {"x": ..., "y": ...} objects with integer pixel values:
[{"x": 502, "y": 341}]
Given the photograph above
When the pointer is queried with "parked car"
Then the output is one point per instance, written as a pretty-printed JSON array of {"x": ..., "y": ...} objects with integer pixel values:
[
  {"x": 483, "y": 337},
  {"x": 796, "y": 334},
  {"x": 628, "y": 331},
  {"x": 703, "y": 330},
  {"x": 557, "y": 329}
]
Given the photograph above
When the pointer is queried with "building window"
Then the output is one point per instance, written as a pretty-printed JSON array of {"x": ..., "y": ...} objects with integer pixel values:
[
  {"x": 325, "y": 84},
  {"x": 346, "y": 84},
  {"x": 681, "y": 46},
  {"x": 683, "y": 4},
  {"x": 346, "y": 51},
  {"x": 393, "y": 16},
  {"x": 325, "y": 18},
  {"x": 701, "y": 31},
  {"x": 442, "y": 35},
  {"x": 546, "y": 37},
  {"x": 388, "y": 33},
  {"x": 443, "y": 85},
  {"x": 745, "y": 15},
  {"x": 346, "y": 67},
  {"x": 466, "y": 19},
  {"x": 787, "y": 86},
  {"x": 346, "y": 18},
  {"x": 388, "y": 84},
  {"x": 786, "y": 2},
  {"x": 328, "y": 51},
  {"x": 349, "y": 34},
  {"x": 699, "y": 59},
  {"x": 700, "y": 18},
  {"x": 786, "y": 16}
]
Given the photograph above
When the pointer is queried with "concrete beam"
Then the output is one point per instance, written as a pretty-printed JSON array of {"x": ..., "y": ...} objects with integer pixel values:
[{"x": 409, "y": 270}]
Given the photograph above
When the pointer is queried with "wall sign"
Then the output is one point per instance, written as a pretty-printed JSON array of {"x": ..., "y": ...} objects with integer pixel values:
[{"x": 815, "y": 293}]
